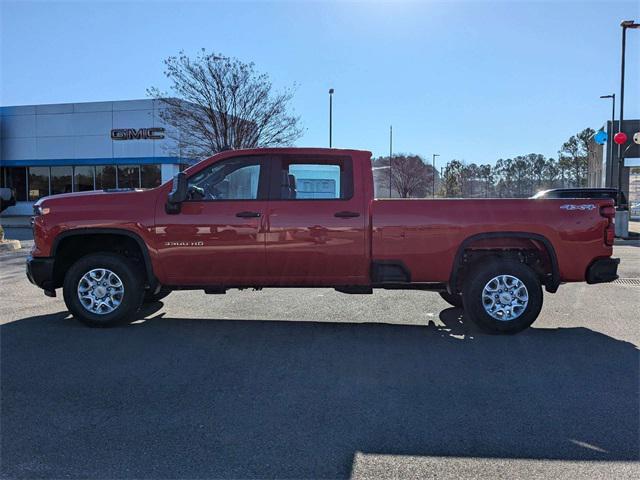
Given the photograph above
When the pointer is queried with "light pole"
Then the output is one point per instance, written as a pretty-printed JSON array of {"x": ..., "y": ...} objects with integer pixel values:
[
  {"x": 613, "y": 119},
  {"x": 390, "y": 155},
  {"x": 625, "y": 24},
  {"x": 433, "y": 175},
  {"x": 331, "y": 117}
]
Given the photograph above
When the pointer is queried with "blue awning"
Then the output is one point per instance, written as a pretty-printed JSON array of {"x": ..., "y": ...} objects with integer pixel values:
[{"x": 52, "y": 162}]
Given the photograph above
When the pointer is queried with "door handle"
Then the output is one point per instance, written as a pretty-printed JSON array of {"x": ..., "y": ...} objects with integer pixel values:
[
  {"x": 346, "y": 214},
  {"x": 248, "y": 214}
]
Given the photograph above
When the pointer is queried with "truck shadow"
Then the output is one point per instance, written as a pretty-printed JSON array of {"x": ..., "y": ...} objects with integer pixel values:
[{"x": 181, "y": 398}]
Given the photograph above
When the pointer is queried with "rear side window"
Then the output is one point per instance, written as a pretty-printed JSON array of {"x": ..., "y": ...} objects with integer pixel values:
[{"x": 306, "y": 179}]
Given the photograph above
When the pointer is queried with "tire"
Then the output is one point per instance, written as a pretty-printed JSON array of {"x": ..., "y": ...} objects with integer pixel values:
[
  {"x": 105, "y": 309},
  {"x": 150, "y": 297},
  {"x": 494, "y": 276},
  {"x": 454, "y": 299}
]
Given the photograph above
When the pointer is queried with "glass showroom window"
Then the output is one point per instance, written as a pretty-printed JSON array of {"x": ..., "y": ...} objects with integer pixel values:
[
  {"x": 151, "y": 176},
  {"x": 61, "y": 180},
  {"x": 15, "y": 178},
  {"x": 83, "y": 180},
  {"x": 128, "y": 176},
  {"x": 105, "y": 177},
  {"x": 38, "y": 182}
]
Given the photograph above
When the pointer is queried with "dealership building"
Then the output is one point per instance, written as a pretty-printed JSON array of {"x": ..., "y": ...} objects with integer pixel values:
[{"x": 73, "y": 147}]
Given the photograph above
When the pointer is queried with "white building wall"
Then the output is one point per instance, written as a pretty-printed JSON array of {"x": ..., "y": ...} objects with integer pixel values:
[
  {"x": 80, "y": 134},
  {"x": 81, "y": 131}
]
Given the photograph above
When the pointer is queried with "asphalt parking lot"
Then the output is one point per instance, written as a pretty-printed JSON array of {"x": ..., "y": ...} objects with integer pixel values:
[{"x": 318, "y": 384}]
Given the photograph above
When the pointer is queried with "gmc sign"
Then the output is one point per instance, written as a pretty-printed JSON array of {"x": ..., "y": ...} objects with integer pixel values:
[{"x": 155, "y": 133}]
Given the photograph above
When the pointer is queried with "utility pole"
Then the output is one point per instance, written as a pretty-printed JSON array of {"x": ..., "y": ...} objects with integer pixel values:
[
  {"x": 390, "y": 155},
  {"x": 433, "y": 176}
]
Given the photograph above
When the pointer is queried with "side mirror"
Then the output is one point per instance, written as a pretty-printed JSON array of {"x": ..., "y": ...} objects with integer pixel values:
[{"x": 178, "y": 193}]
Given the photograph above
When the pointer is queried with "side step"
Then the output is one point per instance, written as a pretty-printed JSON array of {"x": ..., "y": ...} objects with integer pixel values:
[
  {"x": 355, "y": 290},
  {"x": 215, "y": 291}
]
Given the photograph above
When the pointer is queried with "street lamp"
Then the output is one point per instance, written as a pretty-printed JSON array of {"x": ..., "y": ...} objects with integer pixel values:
[
  {"x": 613, "y": 119},
  {"x": 625, "y": 25},
  {"x": 330, "y": 117},
  {"x": 433, "y": 175}
]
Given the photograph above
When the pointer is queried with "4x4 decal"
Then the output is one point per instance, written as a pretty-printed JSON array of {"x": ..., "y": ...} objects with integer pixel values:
[{"x": 570, "y": 206}]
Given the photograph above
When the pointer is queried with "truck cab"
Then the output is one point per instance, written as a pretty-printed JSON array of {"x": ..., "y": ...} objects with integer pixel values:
[{"x": 269, "y": 219}]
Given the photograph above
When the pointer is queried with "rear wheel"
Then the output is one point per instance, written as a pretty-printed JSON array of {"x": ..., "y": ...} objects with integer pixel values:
[
  {"x": 502, "y": 296},
  {"x": 454, "y": 299},
  {"x": 103, "y": 289}
]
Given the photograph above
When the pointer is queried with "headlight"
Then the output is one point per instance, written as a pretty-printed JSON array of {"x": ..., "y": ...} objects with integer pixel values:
[{"x": 40, "y": 210}]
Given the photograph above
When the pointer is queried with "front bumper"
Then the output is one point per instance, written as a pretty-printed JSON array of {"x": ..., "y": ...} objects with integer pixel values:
[
  {"x": 603, "y": 270},
  {"x": 40, "y": 271}
]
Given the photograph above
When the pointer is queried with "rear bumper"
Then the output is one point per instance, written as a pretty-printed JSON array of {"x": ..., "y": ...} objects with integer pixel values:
[
  {"x": 603, "y": 270},
  {"x": 40, "y": 271}
]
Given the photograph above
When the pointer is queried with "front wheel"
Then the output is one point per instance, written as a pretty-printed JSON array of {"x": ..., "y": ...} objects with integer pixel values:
[
  {"x": 103, "y": 289},
  {"x": 502, "y": 296}
]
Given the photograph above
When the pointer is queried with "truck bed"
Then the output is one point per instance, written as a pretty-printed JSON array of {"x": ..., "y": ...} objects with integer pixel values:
[{"x": 426, "y": 235}]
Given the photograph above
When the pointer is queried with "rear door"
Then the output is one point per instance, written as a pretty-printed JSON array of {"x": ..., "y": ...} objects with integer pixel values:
[{"x": 316, "y": 224}]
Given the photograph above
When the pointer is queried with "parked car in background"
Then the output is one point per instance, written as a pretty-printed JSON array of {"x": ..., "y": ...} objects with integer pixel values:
[
  {"x": 7, "y": 198},
  {"x": 611, "y": 193}
]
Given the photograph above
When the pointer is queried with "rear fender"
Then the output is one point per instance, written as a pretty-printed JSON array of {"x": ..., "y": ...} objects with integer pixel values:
[{"x": 493, "y": 241}]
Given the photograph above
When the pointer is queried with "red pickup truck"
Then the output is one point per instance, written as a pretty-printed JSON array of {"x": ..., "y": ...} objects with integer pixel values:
[{"x": 307, "y": 217}]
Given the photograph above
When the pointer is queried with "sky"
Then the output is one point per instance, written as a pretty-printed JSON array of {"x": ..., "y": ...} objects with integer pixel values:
[{"x": 474, "y": 81}]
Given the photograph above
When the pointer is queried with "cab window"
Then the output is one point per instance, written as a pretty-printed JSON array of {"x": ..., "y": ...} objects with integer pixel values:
[
  {"x": 309, "y": 179},
  {"x": 233, "y": 179}
]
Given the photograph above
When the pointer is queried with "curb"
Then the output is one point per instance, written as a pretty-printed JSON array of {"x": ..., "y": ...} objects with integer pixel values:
[
  {"x": 15, "y": 221},
  {"x": 627, "y": 243},
  {"x": 10, "y": 245}
]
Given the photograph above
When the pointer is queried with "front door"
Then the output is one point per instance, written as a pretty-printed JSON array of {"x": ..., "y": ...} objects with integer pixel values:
[
  {"x": 316, "y": 225},
  {"x": 218, "y": 238}
]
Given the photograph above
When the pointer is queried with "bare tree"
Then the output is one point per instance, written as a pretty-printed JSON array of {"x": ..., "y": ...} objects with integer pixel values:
[
  {"x": 220, "y": 102},
  {"x": 410, "y": 176}
]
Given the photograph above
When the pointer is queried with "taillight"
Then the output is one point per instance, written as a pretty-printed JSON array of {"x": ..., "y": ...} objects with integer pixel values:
[
  {"x": 609, "y": 213},
  {"x": 609, "y": 235}
]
